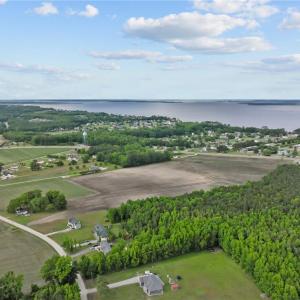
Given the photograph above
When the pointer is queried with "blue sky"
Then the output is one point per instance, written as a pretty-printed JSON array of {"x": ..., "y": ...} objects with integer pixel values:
[{"x": 216, "y": 49}]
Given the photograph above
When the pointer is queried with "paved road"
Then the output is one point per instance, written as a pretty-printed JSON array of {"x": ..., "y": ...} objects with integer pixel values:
[
  {"x": 54, "y": 245},
  {"x": 129, "y": 281}
]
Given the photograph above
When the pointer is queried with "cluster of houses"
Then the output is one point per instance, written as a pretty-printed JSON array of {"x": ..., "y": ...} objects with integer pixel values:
[
  {"x": 130, "y": 124},
  {"x": 9, "y": 173},
  {"x": 100, "y": 233}
]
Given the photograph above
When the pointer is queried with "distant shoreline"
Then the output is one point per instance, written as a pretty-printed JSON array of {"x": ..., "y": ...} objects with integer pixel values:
[{"x": 186, "y": 101}]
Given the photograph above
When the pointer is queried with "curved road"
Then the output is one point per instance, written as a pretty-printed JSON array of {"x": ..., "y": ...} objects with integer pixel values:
[{"x": 54, "y": 245}]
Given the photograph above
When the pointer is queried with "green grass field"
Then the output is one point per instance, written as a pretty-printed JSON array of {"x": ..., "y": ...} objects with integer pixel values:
[
  {"x": 21, "y": 154},
  {"x": 71, "y": 190},
  {"x": 88, "y": 220},
  {"x": 22, "y": 253},
  {"x": 205, "y": 276}
]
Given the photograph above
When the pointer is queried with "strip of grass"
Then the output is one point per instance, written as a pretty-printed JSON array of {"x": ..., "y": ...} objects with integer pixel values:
[
  {"x": 205, "y": 276},
  {"x": 22, "y": 253},
  {"x": 69, "y": 189},
  {"x": 20, "y": 154}
]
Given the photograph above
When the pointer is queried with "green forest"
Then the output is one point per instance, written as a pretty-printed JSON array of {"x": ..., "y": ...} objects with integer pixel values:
[{"x": 257, "y": 224}]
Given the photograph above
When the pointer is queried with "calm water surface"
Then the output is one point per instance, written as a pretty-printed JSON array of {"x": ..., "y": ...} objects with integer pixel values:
[{"x": 273, "y": 116}]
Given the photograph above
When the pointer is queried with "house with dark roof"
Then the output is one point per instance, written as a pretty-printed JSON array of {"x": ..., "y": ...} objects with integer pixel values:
[
  {"x": 100, "y": 232},
  {"x": 74, "y": 223},
  {"x": 151, "y": 284},
  {"x": 105, "y": 247}
]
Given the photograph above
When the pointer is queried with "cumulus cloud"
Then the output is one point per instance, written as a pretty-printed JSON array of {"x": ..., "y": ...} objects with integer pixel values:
[
  {"x": 47, "y": 8},
  {"x": 292, "y": 21},
  {"x": 108, "y": 66},
  {"x": 251, "y": 8},
  {"x": 197, "y": 32},
  {"x": 184, "y": 25},
  {"x": 284, "y": 63},
  {"x": 150, "y": 56},
  {"x": 52, "y": 72},
  {"x": 90, "y": 11}
]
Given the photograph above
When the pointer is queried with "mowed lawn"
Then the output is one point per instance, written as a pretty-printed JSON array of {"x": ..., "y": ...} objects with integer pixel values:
[
  {"x": 205, "y": 276},
  {"x": 22, "y": 253},
  {"x": 20, "y": 154},
  {"x": 71, "y": 190},
  {"x": 88, "y": 221}
]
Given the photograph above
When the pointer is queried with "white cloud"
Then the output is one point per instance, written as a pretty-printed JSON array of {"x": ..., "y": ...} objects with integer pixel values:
[
  {"x": 226, "y": 45},
  {"x": 292, "y": 21},
  {"x": 108, "y": 66},
  {"x": 285, "y": 63},
  {"x": 194, "y": 31},
  {"x": 47, "y": 8},
  {"x": 150, "y": 56},
  {"x": 126, "y": 54},
  {"x": 184, "y": 25},
  {"x": 2, "y": 2},
  {"x": 251, "y": 8},
  {"x": 180, "y": 67},
  {"x": 52, "y": 72},
  {"x": 90, "y": 11}
]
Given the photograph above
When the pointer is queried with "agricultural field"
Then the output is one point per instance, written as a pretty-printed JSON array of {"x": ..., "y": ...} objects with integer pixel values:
[
  {"x": 71, "y": 190},
  {"x": 205, "y": 276},
  {"x": 13, "y": 155},
  {"x": 172, "y": 178},
  {"x": 22, "y": 253}
]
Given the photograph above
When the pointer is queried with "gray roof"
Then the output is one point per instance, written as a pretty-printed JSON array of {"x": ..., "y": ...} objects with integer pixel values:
[
  {"x": 73, "y": 221},
  {"x": 105, "y": 247},
  {"x": 100, "y": 230},
  {"x": 152, "y": 282}
]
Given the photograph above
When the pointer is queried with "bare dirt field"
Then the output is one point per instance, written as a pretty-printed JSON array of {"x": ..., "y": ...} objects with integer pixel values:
[{"x": 169, "y": 179}]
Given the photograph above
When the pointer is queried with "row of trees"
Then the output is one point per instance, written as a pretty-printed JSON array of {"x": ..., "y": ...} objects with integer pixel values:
[
  {"x": 35, "y": 201},
  {"x": 127, "y": 155},
  {"x": 257, "y": 224}
]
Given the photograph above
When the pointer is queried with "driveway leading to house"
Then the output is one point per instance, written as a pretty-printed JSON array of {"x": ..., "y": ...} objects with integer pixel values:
[
  {"x": 129, "y": 281},
  {"x": 59, "y": 231}
]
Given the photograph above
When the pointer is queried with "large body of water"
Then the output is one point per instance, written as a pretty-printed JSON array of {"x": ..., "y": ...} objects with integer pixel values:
[{"x": 234, "y": 113}]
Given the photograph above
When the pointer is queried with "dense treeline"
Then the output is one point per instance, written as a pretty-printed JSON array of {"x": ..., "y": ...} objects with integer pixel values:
[
  {"x": 257, "y": 224},
  {"x": 34, "y": 202},
  {"x": 128, "y": 155}
]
